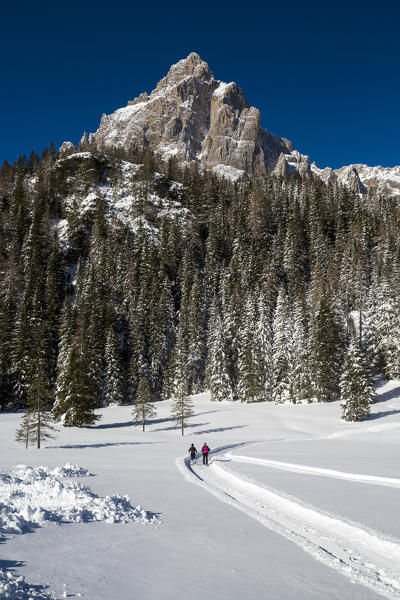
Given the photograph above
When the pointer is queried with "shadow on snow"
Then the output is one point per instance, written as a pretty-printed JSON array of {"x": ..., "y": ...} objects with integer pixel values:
[
  {"x": 218, "y": 429},
  {"x": 178, "y": 426},
  {"x": 389, "y": 395},
  {"x": 381, "y": 414},
  {"x": 104, "y": 445},
  {"x": 113, "y": 425},
  {"x": 8, "y": 565}
]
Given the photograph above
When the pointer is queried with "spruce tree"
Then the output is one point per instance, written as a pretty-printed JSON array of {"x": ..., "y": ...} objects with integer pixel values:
[
  {"x": 53, "y": 302},
  {"x": 251, "y": 382},
  {"x": 326, "y": 352},
  {"x": 37, "y": 422},
  {"x": 282, "y": 358},
  {"x": 383, "y": 329},
  {"x": 143, "y": 409},
  {"x": 26, "y": 432},
  {"x": 19, "y": 214},
  {"x": 139, "y": 316},
  {"x": 264, "y": 346},
  {"x": 197, "y": 336},
  {"x": 356, "y": 386},
  {"x": 182, "y": 406},
  {"x": 114, "y": 389},
  {"x": 66, "y": 334},
  {"x": 7, "y": 308},
  {"x": 218, "y": 378},
  {"x": 301, "y": 377},
  {"x": 76, "y": 403},
  {"x": 162, "y": 338}
]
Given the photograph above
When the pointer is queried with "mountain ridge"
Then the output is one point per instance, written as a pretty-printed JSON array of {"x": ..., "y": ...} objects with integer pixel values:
[{"x": 194, "y": 117}]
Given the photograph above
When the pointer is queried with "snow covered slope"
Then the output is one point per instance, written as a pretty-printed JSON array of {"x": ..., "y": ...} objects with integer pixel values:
[
  {"x": 302, "y": 506},
  {"x": 126, "y": 198}
]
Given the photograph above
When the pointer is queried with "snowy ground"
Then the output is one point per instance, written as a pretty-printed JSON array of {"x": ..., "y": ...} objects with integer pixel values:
[{"x": 294, "y": 505}]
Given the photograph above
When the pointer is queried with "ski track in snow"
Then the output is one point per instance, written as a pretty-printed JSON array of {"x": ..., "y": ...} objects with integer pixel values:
[
  {"x": 364, "y": 556},
  {"x": 284, "y": 466}
]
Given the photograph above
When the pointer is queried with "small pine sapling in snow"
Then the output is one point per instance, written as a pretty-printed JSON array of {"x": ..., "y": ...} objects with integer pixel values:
[
  {"x": 357, "y": 388},
  {"x": 143, "y": 409},
  {"x": 26, "y": 431},
  {"x": 182, "y": 407},
  {"x": 37, "y": 428},
  {"x": 37, "y": 421}
]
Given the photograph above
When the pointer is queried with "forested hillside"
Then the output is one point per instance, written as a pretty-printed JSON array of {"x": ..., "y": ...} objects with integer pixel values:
[{"x": 117, "y": 270}]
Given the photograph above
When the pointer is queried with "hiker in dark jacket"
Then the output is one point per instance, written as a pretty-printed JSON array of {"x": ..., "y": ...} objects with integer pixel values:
[
  {"x": 192, "y": 452},
  {"x": 205, "y": 450}
]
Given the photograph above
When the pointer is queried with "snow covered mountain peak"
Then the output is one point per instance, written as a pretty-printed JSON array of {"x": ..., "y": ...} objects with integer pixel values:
[
  {"x": 195, "y": 117},
  {"x": 192, "y": 66},
  {"x": 192, "y": 116}
]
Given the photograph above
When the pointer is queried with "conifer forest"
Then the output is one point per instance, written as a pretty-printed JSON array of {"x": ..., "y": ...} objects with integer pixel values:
[{"x": 124, "y": 279}]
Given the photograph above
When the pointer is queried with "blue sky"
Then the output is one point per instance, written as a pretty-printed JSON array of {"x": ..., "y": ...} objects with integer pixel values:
[{"x": 324, "y": 75}]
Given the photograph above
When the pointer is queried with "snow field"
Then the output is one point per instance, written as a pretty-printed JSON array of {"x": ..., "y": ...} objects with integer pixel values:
[
  {"x": 348, "y": 539},
  {"x": 365, "y": 557},
  {"x": 35, "y": 496},
  {"x": 274, "y": 540}
]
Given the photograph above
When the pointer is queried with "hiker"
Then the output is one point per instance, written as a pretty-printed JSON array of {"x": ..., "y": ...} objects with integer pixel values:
[
  {"x": 192, "y": 451},
  {"x": 205, "y": 450}
]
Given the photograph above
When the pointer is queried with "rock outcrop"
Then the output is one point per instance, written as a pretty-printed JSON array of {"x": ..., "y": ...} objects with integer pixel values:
[
  {"x": 195, "y": 117},
  {"x": 380, "y": 180},
  {"x": 363, "y": 179}
]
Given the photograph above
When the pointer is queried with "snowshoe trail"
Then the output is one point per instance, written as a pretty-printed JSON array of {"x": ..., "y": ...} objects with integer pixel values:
[
  {"x": 364, "y": 556},
  {"x": 276, "y": 464}
]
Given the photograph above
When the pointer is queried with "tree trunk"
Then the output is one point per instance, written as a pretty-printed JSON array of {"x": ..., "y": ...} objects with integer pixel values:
[{"x": 39, "y": 423}]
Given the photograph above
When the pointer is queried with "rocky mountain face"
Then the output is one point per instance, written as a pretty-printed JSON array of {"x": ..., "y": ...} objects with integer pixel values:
[{"x": 194, "y": 117}]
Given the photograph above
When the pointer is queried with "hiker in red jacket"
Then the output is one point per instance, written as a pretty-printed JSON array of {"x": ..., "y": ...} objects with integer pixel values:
[{"x": 205, "y": 450}]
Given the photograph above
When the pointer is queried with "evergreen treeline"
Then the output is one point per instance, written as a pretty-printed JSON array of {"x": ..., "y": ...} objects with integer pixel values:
[{"x": 254, "y": 290}]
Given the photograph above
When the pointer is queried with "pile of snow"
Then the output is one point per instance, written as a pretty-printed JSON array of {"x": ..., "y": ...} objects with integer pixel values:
[
  {"x": 69, "y": 470},
  {"x": 32, "y": 496},
  {"x": 16, "y": 588}
]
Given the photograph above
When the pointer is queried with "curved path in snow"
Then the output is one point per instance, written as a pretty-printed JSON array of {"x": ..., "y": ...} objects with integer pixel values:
[
  {"x": 276, "y": 464},
  {"x": 365, "y": 556}
]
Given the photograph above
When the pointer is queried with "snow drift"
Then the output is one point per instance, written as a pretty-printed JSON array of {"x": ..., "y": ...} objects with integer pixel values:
[{"x": 31, "y": 497}]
